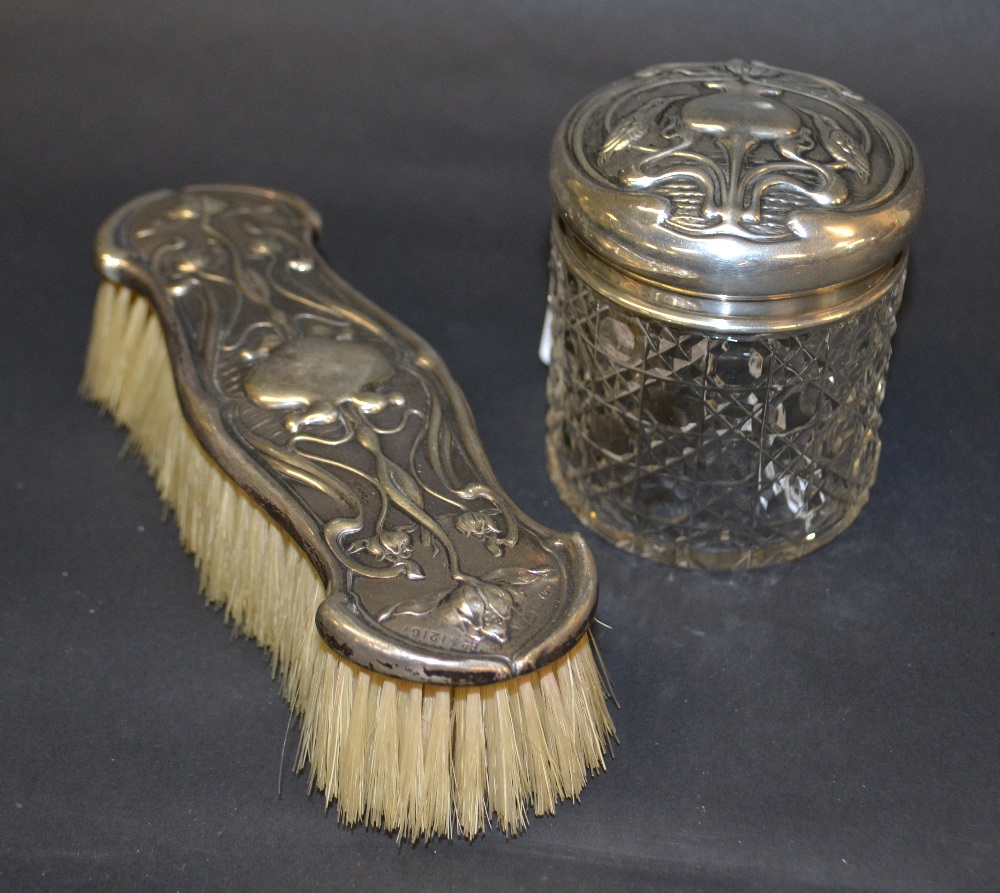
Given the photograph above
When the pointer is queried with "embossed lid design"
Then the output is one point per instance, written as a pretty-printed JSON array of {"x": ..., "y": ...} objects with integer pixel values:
[{"x": 736, "y": 184}]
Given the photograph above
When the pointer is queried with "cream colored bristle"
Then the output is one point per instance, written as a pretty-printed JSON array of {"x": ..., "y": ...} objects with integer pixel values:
[
  {"x": 506, "y": 779},
  {"x": 383, "y": 768},
  {"x": 542, "y": 774},
  {"x": 411, "y": 764},
  {"x": 437, "y": 760},
  {"x": 559, "y": 733},
  {"x": 469, "y": 791},
  {"x": 353, "y": 757},
  {"x": 416, "y": 760}
]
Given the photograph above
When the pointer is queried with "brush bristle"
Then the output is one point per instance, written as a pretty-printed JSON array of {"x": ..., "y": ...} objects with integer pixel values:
[{"x": 417, "y": 760}]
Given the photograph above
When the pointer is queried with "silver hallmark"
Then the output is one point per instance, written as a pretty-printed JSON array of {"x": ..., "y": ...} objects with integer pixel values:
[{"x": 348, "y": 429}]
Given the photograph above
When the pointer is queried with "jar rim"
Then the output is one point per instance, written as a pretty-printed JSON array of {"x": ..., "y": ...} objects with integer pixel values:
[{"x": 725, "y": 314}]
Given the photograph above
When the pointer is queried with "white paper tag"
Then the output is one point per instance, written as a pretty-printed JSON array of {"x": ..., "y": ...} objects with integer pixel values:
[{"x": 545, "y": 345}]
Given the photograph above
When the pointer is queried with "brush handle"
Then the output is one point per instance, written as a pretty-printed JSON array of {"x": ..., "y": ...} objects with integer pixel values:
[{"x": 346, "y": 428}]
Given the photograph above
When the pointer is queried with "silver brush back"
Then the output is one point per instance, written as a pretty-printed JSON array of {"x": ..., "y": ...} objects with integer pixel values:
[{"x": 347, "y": 429}]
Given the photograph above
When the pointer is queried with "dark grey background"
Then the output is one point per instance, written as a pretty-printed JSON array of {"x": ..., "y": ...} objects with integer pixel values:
[{"x": 829, "y": 725}]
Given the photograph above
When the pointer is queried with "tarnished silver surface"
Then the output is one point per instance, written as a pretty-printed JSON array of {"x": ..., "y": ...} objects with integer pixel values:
[
  {"x": 723, "y": 190},
  {"x": 347, "y": 429}
]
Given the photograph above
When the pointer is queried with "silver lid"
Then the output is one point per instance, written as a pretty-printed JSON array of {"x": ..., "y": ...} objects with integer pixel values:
[{"x": 735, "y": 193}]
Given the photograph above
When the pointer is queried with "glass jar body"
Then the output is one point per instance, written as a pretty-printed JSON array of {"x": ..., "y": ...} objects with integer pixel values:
[{"x": 707, "y": 450}]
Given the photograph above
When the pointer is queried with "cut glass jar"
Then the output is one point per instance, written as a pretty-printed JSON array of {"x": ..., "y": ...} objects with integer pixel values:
[{"x": 729, "y": 248}]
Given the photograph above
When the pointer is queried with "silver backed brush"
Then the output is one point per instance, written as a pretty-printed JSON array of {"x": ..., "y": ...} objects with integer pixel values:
[{"x": 346, "y": 430}]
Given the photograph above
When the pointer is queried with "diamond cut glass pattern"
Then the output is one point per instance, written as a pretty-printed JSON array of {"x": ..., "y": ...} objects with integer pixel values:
[{"x": 706, "y": 450}]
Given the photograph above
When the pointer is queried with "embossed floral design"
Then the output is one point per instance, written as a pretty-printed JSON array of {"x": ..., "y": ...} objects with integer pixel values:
[
  {"x": 479, "y": 608},
  {"x": 481, "y": 526},
  {"x": 742, "y": 153},
  {"x": 392, "y": 546},
  {"x": 357, "y": 426}
]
